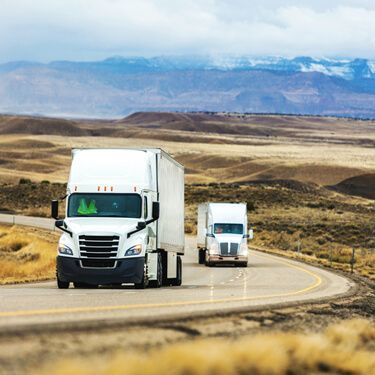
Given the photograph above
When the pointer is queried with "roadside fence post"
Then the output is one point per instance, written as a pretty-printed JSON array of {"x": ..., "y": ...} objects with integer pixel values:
[
  {"x": 330, "y": 256},
  {"x": 352, "y": 261},
  {"x": 299, "y": 247}
]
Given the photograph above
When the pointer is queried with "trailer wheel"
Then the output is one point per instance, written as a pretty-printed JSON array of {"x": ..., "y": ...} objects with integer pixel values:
[
  {"x": 159, "y": 277},
  {"x": 62, "y": 284},
  {"x": 178, "y": 280},
  {"x": 201, "y": 256}
]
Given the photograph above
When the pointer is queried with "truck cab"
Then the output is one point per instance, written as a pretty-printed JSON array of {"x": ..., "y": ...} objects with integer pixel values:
[
  {"x": 114, "y": 230},
  {"x": 222, "y": 234}
]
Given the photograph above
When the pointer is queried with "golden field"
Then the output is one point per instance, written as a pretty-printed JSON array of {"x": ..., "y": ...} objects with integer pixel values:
[
  {"x": 26, "y": 254},
  {"x": 345, "y": 348}
]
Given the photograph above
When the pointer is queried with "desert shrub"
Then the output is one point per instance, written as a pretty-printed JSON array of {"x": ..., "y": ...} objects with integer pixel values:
[
  {"x": 321, "y": 241},
  {"x": 282, "y": 242},
  {"x": 307, "y": 251},
  {"x": 189, "y": 228},
  {"x": 29, "y": 257},
  {"x": 25, "y": 181},
  {"x": 251, "y": 206},
  {"x": 11, "y": 246}
]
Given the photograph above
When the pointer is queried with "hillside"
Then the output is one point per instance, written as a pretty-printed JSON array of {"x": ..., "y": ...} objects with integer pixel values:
[
  {"x": 30, "y": 125},
  {"x": 214, "y": 147}
]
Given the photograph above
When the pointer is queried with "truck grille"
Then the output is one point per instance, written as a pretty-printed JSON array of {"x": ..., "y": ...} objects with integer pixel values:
[
  {"x": 228, "y": 249},
  {"x": 98, "y": 263},
  {"x": 98, "y": 247}
]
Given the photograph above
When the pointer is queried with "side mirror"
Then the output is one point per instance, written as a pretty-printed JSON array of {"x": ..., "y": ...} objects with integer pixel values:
[
  {"x": 141, "y": 225},
  {"x": 251, "y": 234},
  {"x": 155, "y": 210},
  {"x": 60, "y": 223},
  {"x": 55, "y": 209}
]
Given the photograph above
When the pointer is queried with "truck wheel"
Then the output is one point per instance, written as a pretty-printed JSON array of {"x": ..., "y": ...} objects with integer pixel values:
[
  {"x": 201, "y": 256},
  {"x": 62, "y": 284},
  {"x": 144, "y": 283},
  {"x": 178, "y": 280},
  {"x": 159, "y": 277},
  {"x": 207, "y": 263}
]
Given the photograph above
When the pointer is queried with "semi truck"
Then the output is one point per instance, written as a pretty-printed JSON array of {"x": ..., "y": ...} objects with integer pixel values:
[
  {"x": 124, "y": 219},
  {"x": 222, "y": 234}
]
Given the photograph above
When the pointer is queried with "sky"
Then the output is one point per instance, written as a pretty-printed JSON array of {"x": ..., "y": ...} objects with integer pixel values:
[{"x": 81, "y": 30}]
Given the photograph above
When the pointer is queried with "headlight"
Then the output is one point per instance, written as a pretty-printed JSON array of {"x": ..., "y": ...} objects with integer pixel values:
[
  {"x": 134, "y": 250},
  {"x": 243, "y": 248},
  {"x": 214, "y": 248},
  {"x": 63, "y": 249}
]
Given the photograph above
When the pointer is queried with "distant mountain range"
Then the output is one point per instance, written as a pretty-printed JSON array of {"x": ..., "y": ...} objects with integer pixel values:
[{"x": 118, "y": 86}]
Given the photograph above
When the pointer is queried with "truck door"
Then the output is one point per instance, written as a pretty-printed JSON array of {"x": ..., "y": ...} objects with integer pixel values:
[{"x": 147, "y": 198}]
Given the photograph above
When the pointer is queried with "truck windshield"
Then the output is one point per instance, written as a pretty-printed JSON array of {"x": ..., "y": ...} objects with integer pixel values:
[
  {"x": 228, "y": 229},
  {"x": 105, "y": 205}
]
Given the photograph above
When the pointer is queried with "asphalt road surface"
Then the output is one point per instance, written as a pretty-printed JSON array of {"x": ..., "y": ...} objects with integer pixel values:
[{"x": 268, "y": 280}]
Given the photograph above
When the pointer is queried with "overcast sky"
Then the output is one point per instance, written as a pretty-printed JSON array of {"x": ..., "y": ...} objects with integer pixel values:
[{"x": 46, "y": 30}]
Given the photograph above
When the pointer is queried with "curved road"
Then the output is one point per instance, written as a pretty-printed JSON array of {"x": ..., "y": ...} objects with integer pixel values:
[{"x": 268, "y": 280}]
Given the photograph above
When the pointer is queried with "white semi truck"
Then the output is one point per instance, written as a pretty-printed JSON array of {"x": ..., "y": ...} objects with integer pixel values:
[
  {"x": 124, "y": 219},
  {"x": 222, "y": 234}
]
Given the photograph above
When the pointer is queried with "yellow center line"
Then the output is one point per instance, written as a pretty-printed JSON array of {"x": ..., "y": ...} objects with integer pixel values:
[{"x": 87, "y": 309}]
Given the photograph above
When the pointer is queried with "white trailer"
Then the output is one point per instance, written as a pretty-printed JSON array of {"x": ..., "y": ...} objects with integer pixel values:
[
  {"x": 222, "y": 234},
  {"x": 124, "y": 219}
]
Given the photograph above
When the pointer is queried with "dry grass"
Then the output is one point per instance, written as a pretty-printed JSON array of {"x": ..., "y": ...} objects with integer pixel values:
[
  {"x": 346, "y": 348},
  {"x": 26, "y": 255}
]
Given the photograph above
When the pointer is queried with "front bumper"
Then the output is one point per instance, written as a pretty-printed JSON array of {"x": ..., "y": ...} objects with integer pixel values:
[
  {"x": 227, "y": 259},
  {"x": 128, "y": 270}
]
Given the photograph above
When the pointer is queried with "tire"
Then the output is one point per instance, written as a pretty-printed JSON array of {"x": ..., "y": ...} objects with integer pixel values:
[
  {"x": 201, "y": 256},
  {"x": 178, "y": 280},
  {"x": 62, "y": 284},
  {"x": 144, "y": 283},
  {"x": 85, "y": 286},
  {"x": 159, "y": 278},
  {"x": 207, "y": 263},
  {"x": 243, "y": 264}
]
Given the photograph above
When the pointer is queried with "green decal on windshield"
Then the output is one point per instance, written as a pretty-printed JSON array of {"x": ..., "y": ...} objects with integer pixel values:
[{"x": 84, "y": 210}]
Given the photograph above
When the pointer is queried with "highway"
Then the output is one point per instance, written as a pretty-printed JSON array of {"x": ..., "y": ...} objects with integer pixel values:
[{"x": 269, "y": 280}]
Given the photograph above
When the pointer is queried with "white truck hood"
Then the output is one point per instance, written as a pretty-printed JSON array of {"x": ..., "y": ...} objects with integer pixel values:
[
  {"x": 101, "y": 225},
  {"x": 233, "y": 238}
]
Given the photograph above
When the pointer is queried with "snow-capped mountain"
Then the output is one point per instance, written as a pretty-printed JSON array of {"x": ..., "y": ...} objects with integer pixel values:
[
  {"x": 345, "y": 68},
  {"x": 118, "y": 86}
]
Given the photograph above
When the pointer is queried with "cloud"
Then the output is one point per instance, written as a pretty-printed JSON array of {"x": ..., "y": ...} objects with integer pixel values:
[{"x": 94, "y": 29}]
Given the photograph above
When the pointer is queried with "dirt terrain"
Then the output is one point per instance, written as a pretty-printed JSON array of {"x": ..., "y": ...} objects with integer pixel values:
[
  {"x": 309, "y": 184},
  {"x": 213, "y": 147}
]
